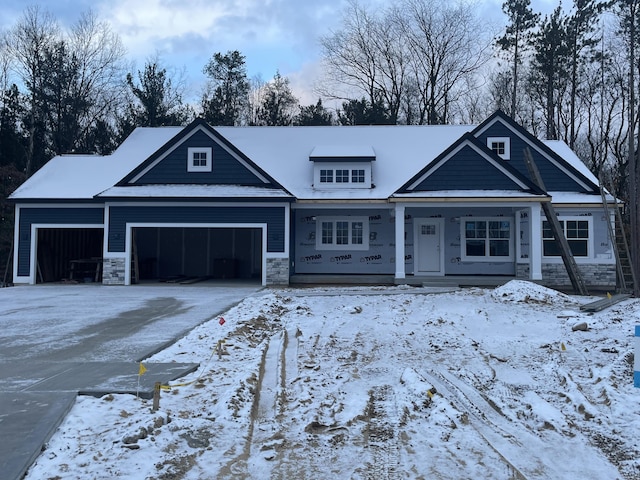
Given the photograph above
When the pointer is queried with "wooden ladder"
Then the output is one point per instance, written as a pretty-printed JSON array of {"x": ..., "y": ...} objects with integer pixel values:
[
  {"x": 558, "y": 234},
  {"x": 618, "y": 236}
]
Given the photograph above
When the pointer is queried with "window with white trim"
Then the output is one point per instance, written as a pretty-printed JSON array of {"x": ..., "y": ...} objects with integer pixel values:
[
  {"x": 199, "y": 159},
  {"x": 577, "y": 231},
  {"x": 501, "y": 146},
  {"x": 342, "y": 233},
  {"x": 487, "y": 239},
  {"x": 342, "y": 175}
]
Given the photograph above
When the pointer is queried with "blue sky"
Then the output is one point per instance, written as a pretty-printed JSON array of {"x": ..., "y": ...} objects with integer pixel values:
[{"x": 272, "y": 34}]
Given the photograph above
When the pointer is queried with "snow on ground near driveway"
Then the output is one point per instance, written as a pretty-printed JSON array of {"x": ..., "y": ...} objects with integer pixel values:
[{"x": 332, "y": 383}]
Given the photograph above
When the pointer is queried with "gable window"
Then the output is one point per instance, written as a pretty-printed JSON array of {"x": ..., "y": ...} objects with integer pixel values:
[
  {"x": 501, "y": 146},
  {"x": 342, "y": 233},
  {"x": 326, "y": 176},
  {"x": 487, "y": 239},
  {"x": 577, "y": 232},
  {"x": 199, "y": 159}
]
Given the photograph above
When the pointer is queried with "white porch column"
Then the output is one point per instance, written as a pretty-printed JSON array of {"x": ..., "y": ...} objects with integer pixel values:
[
  {"x": 400, "y": 273},
  {"x": 535, "y": 242}
]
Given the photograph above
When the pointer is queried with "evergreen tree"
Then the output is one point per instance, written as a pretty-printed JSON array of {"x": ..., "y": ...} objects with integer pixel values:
[
  {"x": 549, "y": 67},
  {"x": 278, "y": 103},
  {"x": 314, "y": 115},
  {"x": 156, "y": 101},
  {"x": 517, "y": 36},
  {"x": 227, "y": 100},
  {"x": 580, "y": 41},
  {"x": 363, "y": 112}
]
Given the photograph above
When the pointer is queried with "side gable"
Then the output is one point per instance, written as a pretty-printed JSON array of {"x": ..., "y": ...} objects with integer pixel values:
[
  {"x": 557, "y": 174},
  {"x": 170, "y": 164},
  {"x": 468, "y": 165}
]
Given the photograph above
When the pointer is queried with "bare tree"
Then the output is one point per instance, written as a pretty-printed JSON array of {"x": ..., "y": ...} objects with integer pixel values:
[
  {"x": 366, "y": 57},
  {"x": 34, "y": 34}
]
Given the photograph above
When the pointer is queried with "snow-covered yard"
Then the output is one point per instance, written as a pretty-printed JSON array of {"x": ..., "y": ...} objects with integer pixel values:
[{"x": 378, "y": 383}]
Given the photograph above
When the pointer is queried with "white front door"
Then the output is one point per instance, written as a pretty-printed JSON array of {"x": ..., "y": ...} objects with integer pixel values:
[{"x": 429, "y": 246}]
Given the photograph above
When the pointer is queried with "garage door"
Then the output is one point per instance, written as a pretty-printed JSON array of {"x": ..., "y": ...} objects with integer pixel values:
[
  {"x": 191, "y": 254},
  {"x": 69, "y": 254}
]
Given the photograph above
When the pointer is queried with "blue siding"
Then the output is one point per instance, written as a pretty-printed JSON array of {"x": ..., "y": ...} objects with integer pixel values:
[
  {"x": 274, "y": 217},
  {"x": 554, "y": 179},
  {"x": 467, "y": 170},
  {"x": 29, "y": 216},
  {"x": 226, "y": 169}
]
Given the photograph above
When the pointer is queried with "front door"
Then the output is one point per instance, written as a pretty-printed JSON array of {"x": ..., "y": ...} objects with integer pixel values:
[{"x": 428, "y": 233}]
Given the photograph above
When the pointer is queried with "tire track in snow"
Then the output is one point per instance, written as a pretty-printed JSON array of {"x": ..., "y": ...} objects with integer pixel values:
[
  {"x": 528, "y": 455},
  {"x": 382, "y": 434}
]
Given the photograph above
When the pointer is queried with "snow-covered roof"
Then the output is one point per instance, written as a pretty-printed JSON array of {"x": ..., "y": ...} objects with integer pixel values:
[
  {"x": 84, "y": 176},
  {"x": 193, "y": 191},
  {"x": 401, "y": 152},
  {"x": 564, "y": 151},
  {"x": 282, "y": 152},
  {"x": 342, "y": 151},
  {"x": 475, "y": 194}
]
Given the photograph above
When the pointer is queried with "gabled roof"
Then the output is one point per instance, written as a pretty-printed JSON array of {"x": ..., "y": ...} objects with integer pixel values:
[
  {"x": 84, "y": 176},
  {"x": 556, "y": 152},
  {"x": 280, "y": 157},
  {"x": 198, "y": 125},
  {"x": 468, "y": 165}
]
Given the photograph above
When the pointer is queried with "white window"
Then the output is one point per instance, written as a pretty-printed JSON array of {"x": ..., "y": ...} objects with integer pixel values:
[
  {"x": 326, "y": 176},
  {"x": 199, "y": 159},
  {"x": 342, "y": 175},
  {"x": 342, "y": 233},
  {"x": 577, "y": 231},
  {"x": 487, "y": 239},
  {"x": 501, "y": 146},
  {"x": 357, "y": 175}
]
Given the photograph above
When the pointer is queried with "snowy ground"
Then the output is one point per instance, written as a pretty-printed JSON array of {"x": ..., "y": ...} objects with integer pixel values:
[{"x": 335, "y": 383}]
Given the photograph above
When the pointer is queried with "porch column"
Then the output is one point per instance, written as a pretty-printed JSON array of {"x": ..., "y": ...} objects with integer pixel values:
[
  {"x": 400, "y": 273},
  {"x": 535, "y": 251}
]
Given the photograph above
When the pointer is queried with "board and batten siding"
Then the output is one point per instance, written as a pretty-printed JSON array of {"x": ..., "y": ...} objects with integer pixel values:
[
  {"x": 467, "y": 171},
  {"x": 59, "y": 216},
  {"x": 273, "y": 216},
  {"x": 226, "y": 169}
]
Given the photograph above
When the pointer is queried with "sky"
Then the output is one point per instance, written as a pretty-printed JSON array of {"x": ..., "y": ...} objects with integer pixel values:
[{"x": 274, "y": 35}]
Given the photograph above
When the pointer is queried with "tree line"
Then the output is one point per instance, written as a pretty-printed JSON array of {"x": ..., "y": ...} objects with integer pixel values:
[{"x": 567, "y": 75}]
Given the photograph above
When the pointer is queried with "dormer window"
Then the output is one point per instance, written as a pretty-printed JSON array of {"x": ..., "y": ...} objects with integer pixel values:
[
  {"x": 342, "y": 167},
  {"x": 200, "y": 159},
  {"x": 501, "y": 146}
]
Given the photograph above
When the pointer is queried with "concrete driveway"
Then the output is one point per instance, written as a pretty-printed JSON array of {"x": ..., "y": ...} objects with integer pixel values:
[{"x": 59, "y": 340}]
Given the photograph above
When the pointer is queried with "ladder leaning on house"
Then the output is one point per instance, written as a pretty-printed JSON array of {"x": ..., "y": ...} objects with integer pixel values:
[
  {"x": 558, "y": 234},
  {"x": 620, "y": 245}
]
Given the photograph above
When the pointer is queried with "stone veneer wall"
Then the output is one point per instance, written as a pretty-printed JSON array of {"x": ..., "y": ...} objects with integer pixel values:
[
  {"x": 277, "y": 271},
  {"x": 555, "y": 274},
  {"x": 113, "y": 271}
]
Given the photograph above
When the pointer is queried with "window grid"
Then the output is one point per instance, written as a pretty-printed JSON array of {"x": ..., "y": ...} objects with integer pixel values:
[
  {"x": 342, "y": 233},
  {"x": 326, "y": 176},
  {"x": 575, "y": 231},
  {"x": 357, "y": 176},
  {"x": 487, "y": 238},
  {"x": 342, "y": 176},
  {"x": 327, "y": 233}
]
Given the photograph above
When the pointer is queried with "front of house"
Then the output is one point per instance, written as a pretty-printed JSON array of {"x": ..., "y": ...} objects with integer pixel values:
[{"x": 276, "y": 203}]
